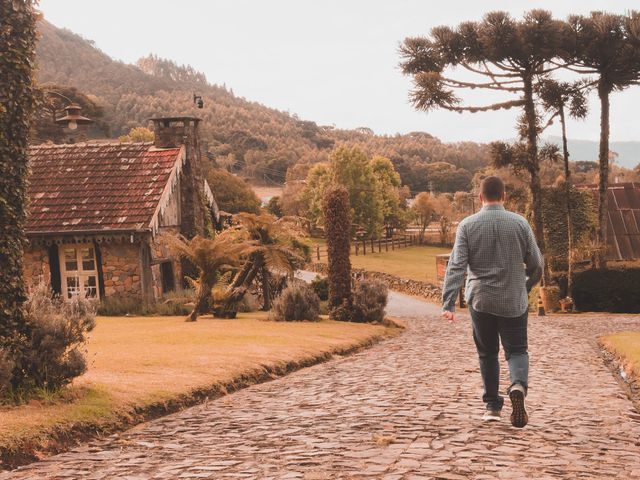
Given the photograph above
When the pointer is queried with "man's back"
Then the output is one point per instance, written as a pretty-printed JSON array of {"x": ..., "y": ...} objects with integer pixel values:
[{"x": 493, "y": 246}]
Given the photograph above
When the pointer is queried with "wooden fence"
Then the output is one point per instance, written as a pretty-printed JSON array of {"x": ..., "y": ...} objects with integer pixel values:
[{"x": 369, "y": 246}]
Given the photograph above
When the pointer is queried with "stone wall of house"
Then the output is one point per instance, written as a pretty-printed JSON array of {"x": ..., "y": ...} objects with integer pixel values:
[
  {"x": 121, "y": 268},
  {"x": 36, "y": 265},
  {"x": 160, "y": 251}
]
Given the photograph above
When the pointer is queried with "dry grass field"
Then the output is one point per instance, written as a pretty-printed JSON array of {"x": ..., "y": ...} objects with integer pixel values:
[
  {"x": 625, "y": 346},
  {"x": 135, "y": 362}
]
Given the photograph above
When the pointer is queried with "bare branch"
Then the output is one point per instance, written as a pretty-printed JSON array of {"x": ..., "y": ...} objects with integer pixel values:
[{"x": 487, "y": 108}]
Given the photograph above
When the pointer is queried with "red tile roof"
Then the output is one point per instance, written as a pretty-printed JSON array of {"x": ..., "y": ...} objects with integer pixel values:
[{"x": 96, "y": 187}]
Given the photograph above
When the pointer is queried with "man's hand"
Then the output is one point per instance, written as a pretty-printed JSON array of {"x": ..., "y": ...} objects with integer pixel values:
[{"x": 449, "y": 316}]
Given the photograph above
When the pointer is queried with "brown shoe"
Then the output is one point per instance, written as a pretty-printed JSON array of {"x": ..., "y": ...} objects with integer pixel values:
[{"x": 519, "y": 415}]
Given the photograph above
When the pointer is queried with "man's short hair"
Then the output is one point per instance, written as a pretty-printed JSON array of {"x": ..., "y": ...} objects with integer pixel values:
[{"x": 492, "y": 189}]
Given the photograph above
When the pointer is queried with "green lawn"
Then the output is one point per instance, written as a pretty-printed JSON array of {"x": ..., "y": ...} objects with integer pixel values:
[{"x": 413, "y": 263}]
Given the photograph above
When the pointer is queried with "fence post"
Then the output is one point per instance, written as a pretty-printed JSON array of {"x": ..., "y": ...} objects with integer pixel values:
[
  {"x": 318, "y": 252},
  {"x": 386, "y": 244},
  {"x": 364, "y": 246},
  {"x": 379, "y": 245},
  {"x": 356, "y": 247},
  {"x": 393, "y": 244},
  {"x": 404, "y": 237}
]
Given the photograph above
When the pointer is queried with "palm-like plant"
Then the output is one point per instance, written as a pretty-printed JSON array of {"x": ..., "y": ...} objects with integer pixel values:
[
  {"x": 276, "y": 249},
  {"x": 212, "y": 257}
]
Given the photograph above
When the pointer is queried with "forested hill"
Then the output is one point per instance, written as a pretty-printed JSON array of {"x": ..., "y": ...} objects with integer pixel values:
[{"x": 263, "y": 142}]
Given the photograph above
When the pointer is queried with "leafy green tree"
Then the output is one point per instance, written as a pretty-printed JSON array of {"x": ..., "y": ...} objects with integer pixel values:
[
  {"x": 388, "y": 185},
  {"x": 138, "y": 134},
  {"x": 318, "y": 179},
  {"x": 233, "y": 195},
  {"x": 351, "y": 168},
  {"x": 423, "y": 210},
  {"x": 17, "y": 55},
  {"x": 607, "y": 45},
  {"x": 506, "y": 55},
  {"x": 444, "y": 177}
]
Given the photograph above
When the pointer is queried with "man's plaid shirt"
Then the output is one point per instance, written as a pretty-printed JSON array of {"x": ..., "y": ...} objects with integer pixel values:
[{"x": 498, "y": 251}]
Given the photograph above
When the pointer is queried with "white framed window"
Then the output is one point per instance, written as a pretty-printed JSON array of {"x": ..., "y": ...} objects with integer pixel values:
[{"x": 78, "y": 270}]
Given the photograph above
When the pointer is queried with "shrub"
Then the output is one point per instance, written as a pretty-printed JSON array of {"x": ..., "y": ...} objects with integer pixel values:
[
  {"x": 297, "y": 302},
  {"x": 59, "y": 329},
  {"x": 320, "y": 285},
  {"x": 338, "y": 227},
  {"x": 612, "y": 290},
  {"x": 554, "y": 214},
  {"x": 173, "y": 303},
  {"x": 7, "y": 364},
  {"x": 369, "y": 301}
]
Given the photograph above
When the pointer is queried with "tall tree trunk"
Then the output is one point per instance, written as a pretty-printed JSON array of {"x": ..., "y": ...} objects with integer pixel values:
[
  {"x": 601, "y": 234},
  {"x": 266, "y": 289},
  {"x": 17, "y": 54},
  {"x": 203, "y": 297},
  {"x": 242, "y": 281},
  {"x": 567, "y": 185},
  {"x": 534, "y": 169}
]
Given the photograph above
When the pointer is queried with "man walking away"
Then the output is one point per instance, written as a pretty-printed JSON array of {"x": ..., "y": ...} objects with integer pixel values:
[{"x": 498, "y": 252}]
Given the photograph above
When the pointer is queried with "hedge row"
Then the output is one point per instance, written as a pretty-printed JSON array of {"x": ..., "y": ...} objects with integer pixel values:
[{"x": 612, "y": 290}]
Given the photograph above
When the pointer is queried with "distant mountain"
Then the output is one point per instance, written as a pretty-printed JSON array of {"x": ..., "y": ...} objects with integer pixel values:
[
  {"x": 263, "y": 142},
  {"x": 628, "y": 152}
]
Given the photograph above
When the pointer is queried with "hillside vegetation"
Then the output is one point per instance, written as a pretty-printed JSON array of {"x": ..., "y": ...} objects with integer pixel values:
[{"x": 245, "y": 136}]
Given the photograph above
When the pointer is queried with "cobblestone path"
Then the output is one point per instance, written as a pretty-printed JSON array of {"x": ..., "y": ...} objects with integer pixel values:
[{"x": 408, "y": 408}]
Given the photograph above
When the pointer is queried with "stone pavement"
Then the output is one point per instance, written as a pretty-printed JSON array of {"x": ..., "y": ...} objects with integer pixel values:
[{"x": 408, "y": 408}]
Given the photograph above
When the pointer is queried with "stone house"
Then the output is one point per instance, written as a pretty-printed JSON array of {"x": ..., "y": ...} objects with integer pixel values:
[{"x": 97, "y": 210}]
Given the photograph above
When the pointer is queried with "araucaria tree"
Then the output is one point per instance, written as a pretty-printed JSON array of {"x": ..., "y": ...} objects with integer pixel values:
[
  {"x": 17, "y": 52},
  {"x": 338, "y": 232},
  {"x": 501, "y": 54},
  {"x": 607, "y": 45},
  {"x": 560, "y": 99}
]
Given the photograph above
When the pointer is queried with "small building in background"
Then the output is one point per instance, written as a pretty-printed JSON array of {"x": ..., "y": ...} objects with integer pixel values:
[
  {"x": 623, "y": 214},
  {"x": 97, "y": 210}
]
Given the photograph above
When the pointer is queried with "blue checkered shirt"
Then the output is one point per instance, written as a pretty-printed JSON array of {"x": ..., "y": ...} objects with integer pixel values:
[{"x": 498, "y": 252}]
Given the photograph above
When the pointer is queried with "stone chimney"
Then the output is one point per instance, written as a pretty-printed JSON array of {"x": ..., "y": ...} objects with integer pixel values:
[{"x": 174, "y": 132}]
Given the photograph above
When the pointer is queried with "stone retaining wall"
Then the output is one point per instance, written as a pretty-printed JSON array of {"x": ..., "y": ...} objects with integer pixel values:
[{"x": 425, "y": 290}]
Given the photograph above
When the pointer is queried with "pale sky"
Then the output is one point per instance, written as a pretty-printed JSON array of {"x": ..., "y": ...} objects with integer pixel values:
[{"x": 330, "y": 61}]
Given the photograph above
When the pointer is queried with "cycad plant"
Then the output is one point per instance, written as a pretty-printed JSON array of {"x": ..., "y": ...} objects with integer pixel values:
[
  {"x": 212, "y": 257},
  {"x": 276, "y": 249}
]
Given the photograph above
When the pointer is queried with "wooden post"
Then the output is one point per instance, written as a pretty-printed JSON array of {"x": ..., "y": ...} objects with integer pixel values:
[
  {"x": 318, "y": 251},
  {"x": 393, "y": 244},
  {"x": 356, "y": 247},
  {"x": 404, "y": 237},
  {"x": 364, "y": 246},
  {"x": 379, "y": 245},
  {"x": 386, "y": 244}
]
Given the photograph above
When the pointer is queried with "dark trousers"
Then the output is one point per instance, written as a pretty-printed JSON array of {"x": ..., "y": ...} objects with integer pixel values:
[{"x": 488, "y": 331}]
